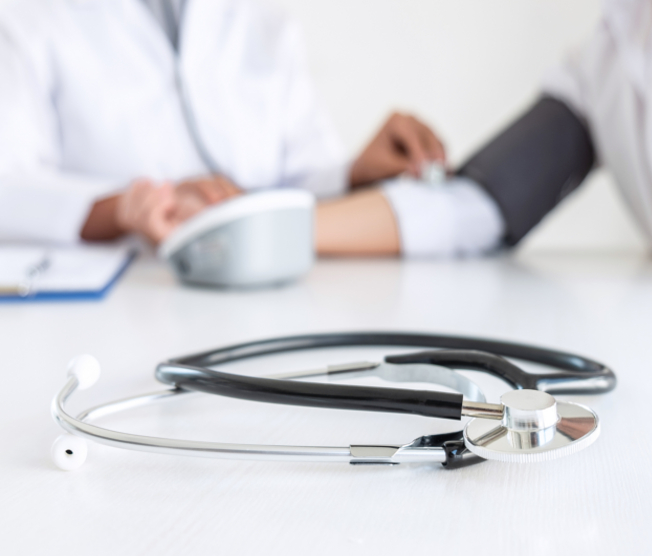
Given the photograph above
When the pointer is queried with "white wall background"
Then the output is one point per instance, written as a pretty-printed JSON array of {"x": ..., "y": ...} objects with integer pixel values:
[{"x": 465, "y": 66}]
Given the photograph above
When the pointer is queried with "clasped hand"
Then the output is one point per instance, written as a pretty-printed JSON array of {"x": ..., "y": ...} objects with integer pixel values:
[{"x": 154, "y": 211}]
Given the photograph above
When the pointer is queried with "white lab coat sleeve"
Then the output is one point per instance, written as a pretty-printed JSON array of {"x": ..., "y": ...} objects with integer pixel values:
[
  {"x": 38, "y": 202},
  {"x": 458, "y": 218},
  {"x": 565, "y": 83},
  {"x": 314, "y": 157}
]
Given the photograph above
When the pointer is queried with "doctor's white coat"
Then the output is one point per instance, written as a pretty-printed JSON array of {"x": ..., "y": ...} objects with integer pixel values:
[
  {"x": 93, "y": 95},
  {"x": 608, "y": 82}
]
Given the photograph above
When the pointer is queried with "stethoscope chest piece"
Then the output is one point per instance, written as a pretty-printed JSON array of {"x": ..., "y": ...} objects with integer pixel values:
[{"x": 534, "y": 427}]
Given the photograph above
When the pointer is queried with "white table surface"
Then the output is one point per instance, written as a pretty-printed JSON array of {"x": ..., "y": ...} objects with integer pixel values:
[{"x": 596, "y": 502}]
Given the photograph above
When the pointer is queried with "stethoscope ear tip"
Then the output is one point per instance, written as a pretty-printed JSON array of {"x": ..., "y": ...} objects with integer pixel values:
[
  {"x": 69, "y": 452},
  {"x": 86, "y": 369}
]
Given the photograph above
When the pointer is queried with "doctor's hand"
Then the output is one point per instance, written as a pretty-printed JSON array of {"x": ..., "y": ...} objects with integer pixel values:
[
  {"x": 403, "y": 144},
  {"x": 195, "y": 194},
  {"x": 148, "y": 209},
  {"x": 155, "y": 211}
]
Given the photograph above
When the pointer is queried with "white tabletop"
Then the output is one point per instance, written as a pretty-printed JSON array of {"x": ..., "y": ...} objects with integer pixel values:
[{"x": 596, "y": 502}]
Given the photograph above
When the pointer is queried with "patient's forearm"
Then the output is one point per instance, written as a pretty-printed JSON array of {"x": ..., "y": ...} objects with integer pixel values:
[{"x": 360, "y": 224}]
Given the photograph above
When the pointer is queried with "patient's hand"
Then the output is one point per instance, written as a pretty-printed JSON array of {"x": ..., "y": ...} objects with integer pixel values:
[{"x": 404, "y": 144}]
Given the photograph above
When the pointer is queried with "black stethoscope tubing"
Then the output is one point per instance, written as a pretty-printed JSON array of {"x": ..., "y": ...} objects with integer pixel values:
[{"x": 575, "y": 374}]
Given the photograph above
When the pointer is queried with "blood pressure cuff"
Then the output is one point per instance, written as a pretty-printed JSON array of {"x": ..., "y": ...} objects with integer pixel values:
[{"x": 533, "y": 164}]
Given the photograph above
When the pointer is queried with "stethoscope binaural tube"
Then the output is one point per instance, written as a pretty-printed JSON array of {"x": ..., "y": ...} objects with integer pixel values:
[
  {"x": 575, "y": 374},
  {"x": 427, "y": 403},
  {"x": 528, "y": 425}
]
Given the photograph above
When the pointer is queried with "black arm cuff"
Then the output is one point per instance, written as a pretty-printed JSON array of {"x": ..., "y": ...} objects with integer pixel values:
[{"x": 533, "y": 164}]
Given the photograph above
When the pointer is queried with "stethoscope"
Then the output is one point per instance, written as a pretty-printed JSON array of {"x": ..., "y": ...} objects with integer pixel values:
[{"x": 528, "y": 425}]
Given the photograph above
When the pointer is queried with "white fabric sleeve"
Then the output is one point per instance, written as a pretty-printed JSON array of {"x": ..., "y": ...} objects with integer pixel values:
[
  {"x": 456, "y": 218},
  {"x": 38, "y": 201},
  {"x": 565, "y": 83},
  {"x": 329, "y": 182},
  {"x": 49, "y": 207},
  {"x": 568, "y": 82},
  {"x": 314, "y": 157}
]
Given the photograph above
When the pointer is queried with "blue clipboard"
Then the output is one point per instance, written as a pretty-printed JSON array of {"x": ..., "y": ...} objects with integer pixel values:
[{"x": 81, "y": 295}]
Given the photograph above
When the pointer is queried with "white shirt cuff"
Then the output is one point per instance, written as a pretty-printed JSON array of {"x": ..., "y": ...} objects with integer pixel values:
[
  {"x": 451, "y": 219},
  {"x": 326, "y": 183}
]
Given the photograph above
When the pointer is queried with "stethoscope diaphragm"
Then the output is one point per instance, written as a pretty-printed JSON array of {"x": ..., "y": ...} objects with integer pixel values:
[{"x": 534, "y": 427}]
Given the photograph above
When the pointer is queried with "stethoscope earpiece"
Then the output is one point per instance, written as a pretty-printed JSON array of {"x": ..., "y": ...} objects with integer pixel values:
[
  {"x": 69, "y": 452},
  {"x": 86, "y": 369}
]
